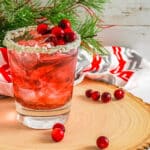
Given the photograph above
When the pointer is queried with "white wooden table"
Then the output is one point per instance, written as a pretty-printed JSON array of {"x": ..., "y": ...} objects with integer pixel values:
[{"x": 132, "y": 25}]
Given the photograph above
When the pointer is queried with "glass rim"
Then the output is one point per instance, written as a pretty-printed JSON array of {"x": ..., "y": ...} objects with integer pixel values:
[{"x": 12, "y": 45}]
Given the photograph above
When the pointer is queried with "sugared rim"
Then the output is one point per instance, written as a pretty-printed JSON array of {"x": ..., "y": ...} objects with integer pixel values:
[{"x": 12, "y": 45}]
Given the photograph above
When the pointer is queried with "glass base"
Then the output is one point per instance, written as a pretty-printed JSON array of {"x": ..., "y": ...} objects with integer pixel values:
[
  {"x": 41, "y": 122},
  {"x": 42, "y": 119}
]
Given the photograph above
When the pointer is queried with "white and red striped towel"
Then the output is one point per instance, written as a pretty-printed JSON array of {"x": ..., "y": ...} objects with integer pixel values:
[
  {"x": 5, "y": 76},
  {"x": 123, "y": 67}
]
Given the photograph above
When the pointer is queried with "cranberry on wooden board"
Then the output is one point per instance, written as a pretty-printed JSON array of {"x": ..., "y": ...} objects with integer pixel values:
[
  {"x": 102, "y": 142},
  {"x": 59, "y": 125},
  {"x": 95, "y": 95},
  {"x": 57, "y": 134},
  {"x": 106, "y": 97},
  {"x": 88, "y": 93},
  {"x": 119, "y": 94}
]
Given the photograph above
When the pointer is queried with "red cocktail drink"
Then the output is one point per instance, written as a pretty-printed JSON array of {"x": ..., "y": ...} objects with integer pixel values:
[
  {"x": 43, "y": 77},
  {"x": 43, "y": 81}
]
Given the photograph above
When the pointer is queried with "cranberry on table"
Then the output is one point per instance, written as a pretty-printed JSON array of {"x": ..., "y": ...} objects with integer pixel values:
[
  {"x": 119, "y": 94},
  {"x": 59, "y": 125},
  {"x": 88, "y": 93},
  {"x": 65, "y": 23},
  {"x": 106, "y": 97},
  {"x": 102, "y": 142},
  {"x": 57, "y": 134},
  {"x": 95, "y": 95},
  {"x": 42, "y": 28}
]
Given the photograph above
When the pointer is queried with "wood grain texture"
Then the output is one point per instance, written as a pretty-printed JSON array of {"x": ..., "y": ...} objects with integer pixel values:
[
  {"x": 129, "y": 12},
  {"x": 126, "y": 123}
]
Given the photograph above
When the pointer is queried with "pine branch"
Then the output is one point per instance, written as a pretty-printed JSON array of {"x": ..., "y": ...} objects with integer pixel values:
[
  {"x": 88, "y": 32},
  {"x": 26, "y": 2},
  {"x": 88, "y": 28},
  {"x": 94, "y": 4},
  {"x": 21, "y": 13},
  {"x": 59, "y": 10},
  {"x": 93, "y": 46}
]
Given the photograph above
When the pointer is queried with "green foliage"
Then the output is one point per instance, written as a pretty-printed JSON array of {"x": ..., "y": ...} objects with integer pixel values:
[
  {"x": 88, "y": 28},
  {"x": 21, "y": 13},
  {"x": 92, "y": 45},
  {"x": 16, "y": 14},
  {"x": 94, "y": 4}
]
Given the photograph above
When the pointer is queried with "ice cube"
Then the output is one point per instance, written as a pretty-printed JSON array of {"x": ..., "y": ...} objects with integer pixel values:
[
  {"x": 27, "y": 95},
  {"x": 28, "y": 60}
]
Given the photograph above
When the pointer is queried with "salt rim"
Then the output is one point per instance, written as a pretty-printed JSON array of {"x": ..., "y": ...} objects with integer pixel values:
[{"x": 12, "y": 45}]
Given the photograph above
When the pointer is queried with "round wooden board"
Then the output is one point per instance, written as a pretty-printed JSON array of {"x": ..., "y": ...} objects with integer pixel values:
[{"x": 126, "y": 123}]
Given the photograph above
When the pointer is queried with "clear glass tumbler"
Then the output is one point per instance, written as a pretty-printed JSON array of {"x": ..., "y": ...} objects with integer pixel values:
[{"x": 42, "y": 80}]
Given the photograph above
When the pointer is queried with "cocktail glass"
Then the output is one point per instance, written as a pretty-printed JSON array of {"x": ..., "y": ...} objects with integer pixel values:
[{"x": 42, "y": 80}]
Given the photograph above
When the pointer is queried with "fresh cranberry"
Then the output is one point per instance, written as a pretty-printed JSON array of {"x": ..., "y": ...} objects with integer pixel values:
[
  {"x": 95, "y": 95},
  {"x": 52, "y": 39},
  {"x": 59, "y": 125},
  {"x": 119, "y": 94},
  {"x": 88, "y": 93},
  {"x": 68, "y": 30},
  {"x": 102, "y": 142},
  {"x": 57, "y": 134},
  {"x": 60, "y": 42},
  {"x": 59, "y": 32},
  {"x": 106, "y": 97},
  {"x": 65, "y": 23},
  {"x": 42, "y": 28},
  {"x": 70, "y": 36}
]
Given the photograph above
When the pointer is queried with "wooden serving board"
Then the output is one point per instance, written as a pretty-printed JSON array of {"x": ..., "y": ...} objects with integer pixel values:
[{"x": 126, "y": 123}]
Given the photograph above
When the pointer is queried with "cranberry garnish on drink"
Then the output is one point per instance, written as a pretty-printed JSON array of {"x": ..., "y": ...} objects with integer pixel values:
[
  {"x": 58, "y": 32},
  {"x": 65, "y": 23},
  {"x": 42, "y": 28},
  {"x": 45, "y": 35}
]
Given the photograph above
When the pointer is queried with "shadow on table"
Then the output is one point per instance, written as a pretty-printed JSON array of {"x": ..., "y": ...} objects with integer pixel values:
[{"x": 89, "y": 148}]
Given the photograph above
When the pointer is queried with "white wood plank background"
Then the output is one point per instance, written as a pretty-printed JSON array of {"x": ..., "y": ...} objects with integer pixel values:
[
  {"x": 132, "y": 25},
  {"x": 127, "y": 12}
]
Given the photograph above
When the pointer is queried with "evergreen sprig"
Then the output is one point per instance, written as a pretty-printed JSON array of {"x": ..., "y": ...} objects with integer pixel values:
[
  {"x": 94, "y": 4},
  {"x": 21, "y": 13},
  {"x": 88, "y": 29}
]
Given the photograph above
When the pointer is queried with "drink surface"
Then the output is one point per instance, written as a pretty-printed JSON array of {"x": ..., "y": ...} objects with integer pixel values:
[{"x": 43, "y": 81}]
